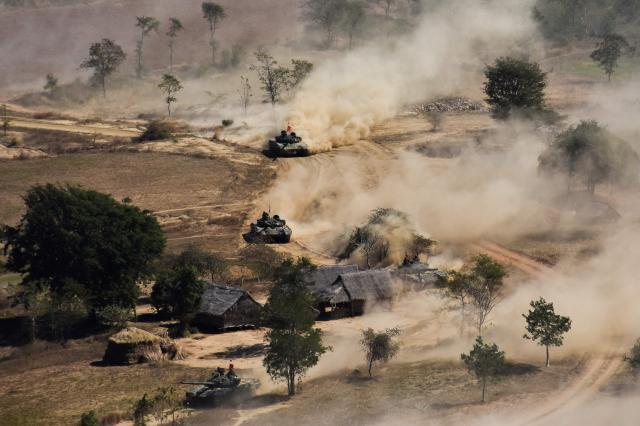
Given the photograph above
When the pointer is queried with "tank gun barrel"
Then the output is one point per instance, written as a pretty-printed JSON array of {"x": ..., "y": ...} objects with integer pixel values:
[{"x": 190, "y": 382}]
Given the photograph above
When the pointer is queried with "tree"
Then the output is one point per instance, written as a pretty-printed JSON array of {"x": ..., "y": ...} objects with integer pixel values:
[
  {"x": 146, "y": 25},
  {"x": 486, "y": 287},
  {"x": 609, "y": 50},
  {"x": 485, "y": 361},
  {"x": 545, "y": 326},
  {"x": 81, "y": 243},
  {"x": 458, "y": 288},
  {"x": 104, "y": 57},
  {"x": 245, "y": 93},
  {"x": 274, "y": 78},
  {"x": 299, "y": 72},
  {"x": 260, "y": 259},
  {"x": 387, "y": 7},
  {"x": 515, "y": 85},
  {"x": 634, "y": 356},
  {"x": 354, "y": 17},
  {"x": 213, "y": 13},
  {"x": 51, "y": 85},
  {"x": 294, "y": 345},
  {"x": 114, "y": 316},
  {"x": 378, "y": 346},
  {"x": 175, "y": 26},
  {"x": 178, "y": 292},
  {"x": 326, "y": 14},
  {"x": 6, "y": 121},
  {"x": 141, "y": 409},
  {"x": 89, "y": 418},
  {"x": 170, "y": 86},
  {"x": 203, "y": 262},
  {"x": 592, "y": 154}
]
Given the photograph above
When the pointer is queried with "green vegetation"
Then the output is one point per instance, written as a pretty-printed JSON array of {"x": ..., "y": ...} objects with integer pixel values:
[
  {"x": 294, "y": 345},
  {"x": 485, "y": 361},
  {"x": 157, "y": 130},
  {"x": 515, "y": 87},
  {"x": 170, "y": 86},
  {"x": 89, "y": 418},
  {"x": 178, "y": 289},
  {"x": 609, "y": 50},
  {"x": 82, "y": 245},
  {"x": 486, "y": 287},
  {"x": 213, "y": 13},
  {"x": 591, "y": 154},
  {"x": 146, "y": 25},
  {"x": 545, "y": 326},
  {"x": 104, "y": 58},
  {"x": 634, "y": 356},
  {"x": 378, "y": 346},
  {"x": 274, "y": 78}
]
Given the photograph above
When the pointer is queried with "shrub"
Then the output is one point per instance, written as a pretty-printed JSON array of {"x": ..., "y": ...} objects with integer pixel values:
[
  {"x": 89, "y": 419},
  {"x": 634, "y": 356},
  {"x": 227, "y": 122},
  {"x": 157, "y": 130},
  {"x": 114, "y": 316}
]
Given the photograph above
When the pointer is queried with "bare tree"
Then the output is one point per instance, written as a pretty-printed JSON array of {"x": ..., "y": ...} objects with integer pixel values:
[
  {"x": 458, "y": 288},
  {"x": 6, "y": 121},
  {"x": 486, "y": 288},
  {"x": 326, "y": 14},
  {"x": 146, "y": 25},
  {"x": 175, "y": 26},
  {"x": 373, "y": 244},
  {"x": 354, "y": 17},
  {"x": 245, "y": 93},
  {"x": 213, "y": 13}
]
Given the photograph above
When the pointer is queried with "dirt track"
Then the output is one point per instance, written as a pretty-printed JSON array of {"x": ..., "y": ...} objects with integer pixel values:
[{"x": 104, "y": 130}]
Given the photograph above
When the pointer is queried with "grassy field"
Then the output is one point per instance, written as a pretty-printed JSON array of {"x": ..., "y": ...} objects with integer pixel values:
[
  {"x": 397, "y": 394},
  {"x": 202, "y": 200},
  {"x": 51, "y": 384}
]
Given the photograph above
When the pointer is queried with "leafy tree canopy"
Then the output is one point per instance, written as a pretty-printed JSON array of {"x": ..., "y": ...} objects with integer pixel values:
[
  {"x": 545, "y": 326},
  {"x": 485, "y": 361},
  {"x": 379, "y": 346},
  {"x": 80, "y": 241}
]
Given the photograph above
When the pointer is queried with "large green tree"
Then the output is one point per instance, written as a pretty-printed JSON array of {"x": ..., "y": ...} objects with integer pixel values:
[
  {"x": 83, "y": 243},
  {"x": 515, "y": 86},
  {"x": 545, "y": 326},
  {"x": 591, "y": 154},
  {"x": 104, "y": 58},
  {"x": 485, "y": 361},
  {"x": 609, "y": 50},
  {"x": 294, "y": 345},
  {"x": 213, "y": 13}
]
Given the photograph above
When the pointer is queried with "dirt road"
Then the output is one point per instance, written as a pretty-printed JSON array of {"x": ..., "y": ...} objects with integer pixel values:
[{"x": 72, "y": 127}]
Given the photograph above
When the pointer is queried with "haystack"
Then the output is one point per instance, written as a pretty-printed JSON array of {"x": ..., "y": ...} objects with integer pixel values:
[{"x": 133, "y": 346}]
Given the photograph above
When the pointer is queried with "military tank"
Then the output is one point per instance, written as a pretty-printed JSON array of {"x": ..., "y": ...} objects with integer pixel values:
[
  {"x": 288, "y": 145},
  {"x": 268, "y": 230},
  {"x": 219, "y": 388}
]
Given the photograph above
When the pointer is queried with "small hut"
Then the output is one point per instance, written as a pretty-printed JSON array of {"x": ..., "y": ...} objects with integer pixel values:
[
  {"x": 133, "y": 345},
  {"x": 352, "y": 291},
  {"x": 223, "y": 308}
]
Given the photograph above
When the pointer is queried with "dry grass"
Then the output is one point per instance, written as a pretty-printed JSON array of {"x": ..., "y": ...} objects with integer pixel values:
[
  {"x": 48, "y": 384},
  {"x": 202, "y": 200}
]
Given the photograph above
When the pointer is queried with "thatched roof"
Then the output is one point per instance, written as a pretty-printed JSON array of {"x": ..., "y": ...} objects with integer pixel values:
[
  {"x": 366, "y": 285},
  {"x": 218, "y": 299},
  {"x": 323, "y": 277},
  {"x": 133, "y": 335}
]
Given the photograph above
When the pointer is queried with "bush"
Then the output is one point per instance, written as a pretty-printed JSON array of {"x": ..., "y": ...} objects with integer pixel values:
[
  {"x": 634, "y": 356},
  {"x": 114, "y": 316},
  {"x": 89, "y": 419},
  {"x": 227, "y": 122},
  {"x": 157, "y": 130}
]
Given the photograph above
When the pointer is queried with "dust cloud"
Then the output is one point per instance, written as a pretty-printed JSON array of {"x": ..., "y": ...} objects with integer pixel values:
[{"x": 344, "y": 97}]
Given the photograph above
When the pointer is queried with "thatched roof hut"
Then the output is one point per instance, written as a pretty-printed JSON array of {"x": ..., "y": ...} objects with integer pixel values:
[
  {"x": 351, "y": 291},
  {"x": 133, "y": 346},
  {"x": 224, "y": 308},
  {"x": 321, "y": 280}
]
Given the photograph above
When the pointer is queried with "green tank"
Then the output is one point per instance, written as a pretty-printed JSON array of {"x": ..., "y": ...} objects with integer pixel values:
[
  {"x": 269, "y": 230},
  {"x": 220, "y": 388},
  {"x": 288, "y": 145}
]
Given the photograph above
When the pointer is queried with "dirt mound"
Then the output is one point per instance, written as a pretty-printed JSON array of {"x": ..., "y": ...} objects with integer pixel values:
[
  {"x": 133, "y": 346},
  {"x": 453, "y": 104}
]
